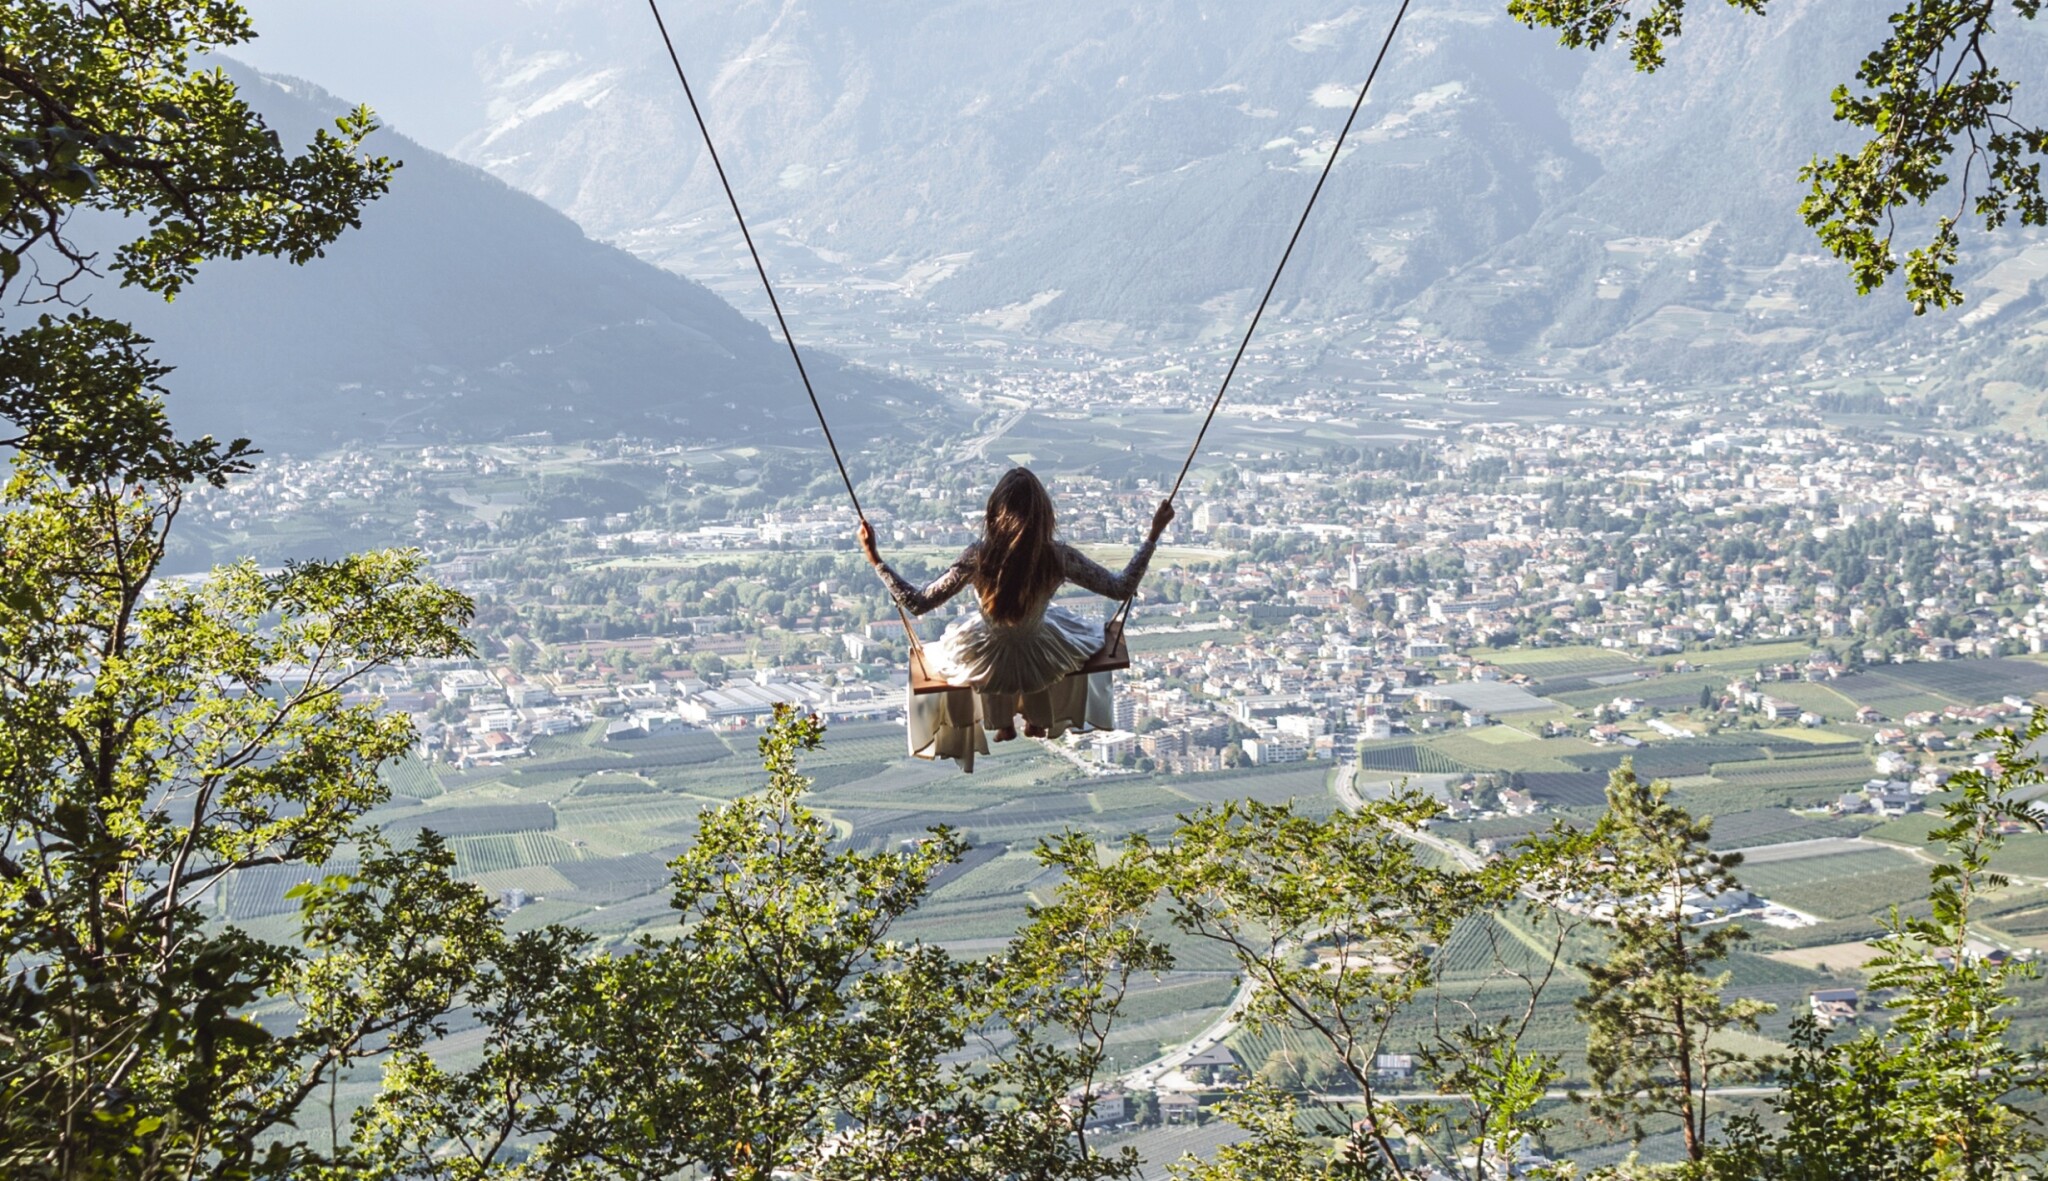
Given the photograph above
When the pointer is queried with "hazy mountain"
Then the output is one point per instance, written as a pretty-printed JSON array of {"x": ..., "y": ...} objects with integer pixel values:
[
  {"x": 1135, "y": 164},
  {"x": 1137, "y": 160},
  {"x": 413, "y": 61},
  {"x": 464, "y": 308},
  {"x": 1104, "y": 173}
]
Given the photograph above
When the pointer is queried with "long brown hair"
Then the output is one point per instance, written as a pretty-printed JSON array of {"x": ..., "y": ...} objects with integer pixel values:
[{"x": 1019, "y": 565}]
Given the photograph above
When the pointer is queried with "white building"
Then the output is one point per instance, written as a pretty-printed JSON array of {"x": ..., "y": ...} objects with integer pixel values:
[{"x": 1277, "y": 747}]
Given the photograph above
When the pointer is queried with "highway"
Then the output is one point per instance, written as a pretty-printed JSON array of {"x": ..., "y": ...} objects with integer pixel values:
[{"x": 975, "y": 450}]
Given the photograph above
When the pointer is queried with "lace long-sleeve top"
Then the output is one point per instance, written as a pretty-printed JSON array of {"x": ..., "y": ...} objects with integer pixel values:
[{"x": 1079, "y": 569}]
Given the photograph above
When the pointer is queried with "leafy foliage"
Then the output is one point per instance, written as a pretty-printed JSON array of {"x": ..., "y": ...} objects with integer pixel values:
[
  {"x": 1336, "y": 923},
  {"x": 1332, "y": 922},
  {"x": 101, "y": 110},
  {"x": 1941, "y": 1093},
  {"x": 149, "y": 752},
  {"x": 109, "y": 419},
  {"x": 1938, "y": 112},
  {"x": 1652, "y": 1013},
  {"x": 157, "y": 740},
  {"x": 1281, "y": 1145},
  {"x": 781, "y": 1027}
]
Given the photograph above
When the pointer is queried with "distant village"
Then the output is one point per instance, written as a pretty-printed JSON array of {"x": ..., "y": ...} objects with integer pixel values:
[
  {"x": 1315, "y": 604},
  {"x": 1310, "y": 601}
]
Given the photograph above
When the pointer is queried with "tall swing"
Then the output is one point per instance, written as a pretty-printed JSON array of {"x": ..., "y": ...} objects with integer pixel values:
[{"x": 1115, "y": 654}]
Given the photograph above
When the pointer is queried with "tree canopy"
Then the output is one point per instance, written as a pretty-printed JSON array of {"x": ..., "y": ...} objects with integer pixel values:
[
  {"x": 103, "y": 115},
  {"x": 163, "y": 744}
]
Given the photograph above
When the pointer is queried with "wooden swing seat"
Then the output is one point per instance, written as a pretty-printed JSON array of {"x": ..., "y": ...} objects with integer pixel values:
[{"x": 1114, "y": 655}]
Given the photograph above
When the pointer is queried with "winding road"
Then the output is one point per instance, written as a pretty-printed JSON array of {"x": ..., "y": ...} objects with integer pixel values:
[{"x": 1153, "y": 1074}]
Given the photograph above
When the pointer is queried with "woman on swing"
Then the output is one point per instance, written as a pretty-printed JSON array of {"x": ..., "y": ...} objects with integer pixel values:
[{"x": 1014, "y": 659}]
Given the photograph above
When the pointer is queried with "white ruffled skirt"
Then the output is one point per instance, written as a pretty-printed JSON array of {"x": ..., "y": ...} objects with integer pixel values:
[{"x": 1004, "y": 671}]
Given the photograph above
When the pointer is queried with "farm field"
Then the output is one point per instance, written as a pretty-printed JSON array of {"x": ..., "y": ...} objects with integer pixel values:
[
  {"x": 2024, "y": 855},
  {"x": 1831, "y": 957},
  {"x": 1404, "y": 755},
  {"x": 1817, "y": 736},
  {"x": 1821, "y": 699},
  {"x": 1748, "y": 656},
  {"x": 585, "y": 829},
  {"x": 411, "y": 777},
  {"x": 1824, "y": 768},
  {"x": 1772, "y": 826},
  {"x": 1672, "y": 691},
  {"x": 1905, "y": 830},
  {"x": 1545, "y": 663},
  {"x": 1843, "y": 884},
  {"x": 1304, "y": 782},
  {"x": 1898, "y": 689},
  {"x": 1831, "y": 860},
  {"x": 1504, "y": 748}
]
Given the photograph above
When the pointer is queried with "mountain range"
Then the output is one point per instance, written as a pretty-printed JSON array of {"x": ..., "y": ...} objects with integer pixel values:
[
  {"x": 1133, "y": 169},
  {"x": 465, "y": 309}
]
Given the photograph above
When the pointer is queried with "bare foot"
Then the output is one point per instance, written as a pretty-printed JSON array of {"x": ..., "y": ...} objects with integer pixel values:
[
  {"x": 1033, "y": 731},
  {"x": 1006, "y": 733}
]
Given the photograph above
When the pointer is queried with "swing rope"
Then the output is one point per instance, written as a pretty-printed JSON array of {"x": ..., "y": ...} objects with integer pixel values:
[
  {"x": 1329, "y": 164},
  {"x": 761, "y": 269},
  {"x": 788, "y": 337},
  {"x": 1216, "y": 403}
]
